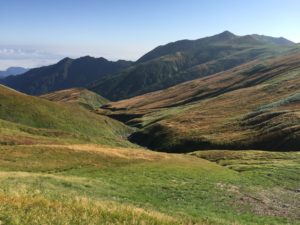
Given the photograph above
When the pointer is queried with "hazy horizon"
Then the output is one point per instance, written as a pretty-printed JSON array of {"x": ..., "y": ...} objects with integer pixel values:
[{"x": 41, "y": 33}]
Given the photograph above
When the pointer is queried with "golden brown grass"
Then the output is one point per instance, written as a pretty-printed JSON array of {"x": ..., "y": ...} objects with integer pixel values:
[
  {"x": 204, "y": 86},
  {"x": 20, "y": 208},
  {"x": 122, "y": 153},
  {"x": 215, "y": 109},
  {"x": 78, "y": 96}
]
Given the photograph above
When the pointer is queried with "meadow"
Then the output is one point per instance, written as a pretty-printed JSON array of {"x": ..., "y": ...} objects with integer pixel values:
[{"x": 94, "y": 184}]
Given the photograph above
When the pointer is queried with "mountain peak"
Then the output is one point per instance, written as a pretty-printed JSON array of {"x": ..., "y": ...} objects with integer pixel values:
[
  {"x": 221, "y": 37},
  {"x": 91, "y": 58},
  {"x": 226, "y": 34},
  {"x": 65, "y": 60}
]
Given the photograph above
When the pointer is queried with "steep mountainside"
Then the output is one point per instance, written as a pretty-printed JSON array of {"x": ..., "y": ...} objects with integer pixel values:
[
  {"x": 80, "y": 96},
  {"x": 255, "y": 105},
  {"x": 32, "y": 120},
  {"x": 65, "y": 74},
  {"x": 222, "y": 38},
  {"x": 185, "y": 60}
]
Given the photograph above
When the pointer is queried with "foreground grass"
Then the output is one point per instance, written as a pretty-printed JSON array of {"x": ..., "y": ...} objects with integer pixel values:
[
  {"x": 36, "y": 209},
  {"x": 90, "y": 184}
]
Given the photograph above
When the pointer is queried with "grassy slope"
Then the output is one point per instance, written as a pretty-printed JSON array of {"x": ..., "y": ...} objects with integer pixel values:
[
  {"x": 90, "y": 184},
  {"x": 25, "y": 120},
  {"x": 81, "y": 96},
  {"x": 255, "y": 105}
]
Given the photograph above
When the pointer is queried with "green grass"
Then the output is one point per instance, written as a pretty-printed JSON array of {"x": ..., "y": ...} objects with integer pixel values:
[
  {"x": 181, "y": 187},
  {"x": 81, "y": 96},
  {"x": 277, "y": 166},
  {"x": 91, "y": 100},
  {"x": 34, "y": 118}
]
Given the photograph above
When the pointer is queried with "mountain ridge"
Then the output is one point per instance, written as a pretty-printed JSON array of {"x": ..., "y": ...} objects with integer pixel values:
[
  {"x": 67, "y": 73},
  {"x": 163, "y": 67},
  {"x": 185, "y": 60},
  {"x": 223, "y": 37}
]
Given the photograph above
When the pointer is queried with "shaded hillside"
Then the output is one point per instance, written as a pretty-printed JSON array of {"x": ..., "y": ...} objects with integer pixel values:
[
  {"x": 185, "y": 60},
  {"x": 27, "y": 120},
  {"x": 65, "y": 74},
  {"x": 81, "y": 96},
  {"x": 255, "y": 105}
]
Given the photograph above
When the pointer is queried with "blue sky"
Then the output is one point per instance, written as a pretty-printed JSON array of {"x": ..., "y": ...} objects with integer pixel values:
[{"x": 39, "y": 32}]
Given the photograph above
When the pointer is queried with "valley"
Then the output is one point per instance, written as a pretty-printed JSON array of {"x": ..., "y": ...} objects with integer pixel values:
[{"x": 194, "y": 132}]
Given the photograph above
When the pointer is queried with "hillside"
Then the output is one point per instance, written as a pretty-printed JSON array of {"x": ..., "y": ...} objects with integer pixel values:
[
  {"x": 67, "y": 73},
  {"x": 31, "y": 120},
  {"x": 177, "y": 62},
  {"x": 255, "y": 105},
  {"x": 80, "y": 96}
]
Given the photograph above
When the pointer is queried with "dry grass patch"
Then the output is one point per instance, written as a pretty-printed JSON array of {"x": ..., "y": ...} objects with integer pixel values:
[{"x": 36, "y": 209}]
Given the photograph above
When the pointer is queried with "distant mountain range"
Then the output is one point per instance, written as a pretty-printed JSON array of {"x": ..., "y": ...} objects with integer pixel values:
[
  {"x": 67, "y": 73},
  {"x": 160, "y": 68},
  {"x": 12, "y": 71}
]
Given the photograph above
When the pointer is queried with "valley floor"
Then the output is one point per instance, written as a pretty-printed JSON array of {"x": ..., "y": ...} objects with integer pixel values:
[{"x": 93, "y": 184}]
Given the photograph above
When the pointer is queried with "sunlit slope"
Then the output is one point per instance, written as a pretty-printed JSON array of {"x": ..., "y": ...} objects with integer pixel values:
[
  {"x": 81, "y": 96},
  {"x": 26, "y": 119},
  {"x": 255, "y": 105}
]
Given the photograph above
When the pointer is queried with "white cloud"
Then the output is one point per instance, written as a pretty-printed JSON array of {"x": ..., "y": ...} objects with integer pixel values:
[{"x": 28, "y": 58}]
